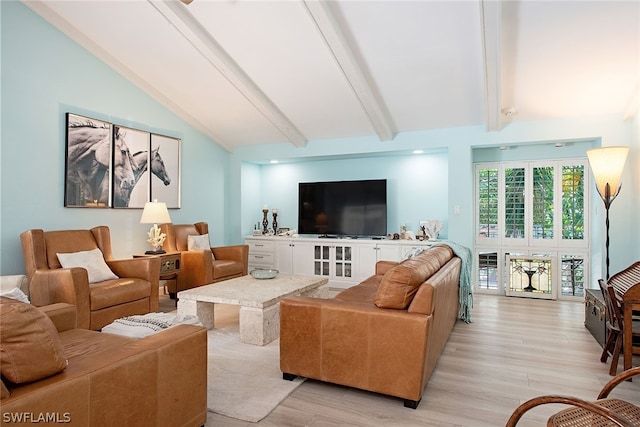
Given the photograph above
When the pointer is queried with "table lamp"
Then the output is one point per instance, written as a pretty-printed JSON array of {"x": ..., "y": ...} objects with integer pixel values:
[
  {"x": 607, "y": 164},
  {"x": 153, "y": 213}
]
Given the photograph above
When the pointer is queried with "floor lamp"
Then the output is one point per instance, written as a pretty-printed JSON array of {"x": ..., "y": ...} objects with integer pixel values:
[{"x": 607, "y": 164}]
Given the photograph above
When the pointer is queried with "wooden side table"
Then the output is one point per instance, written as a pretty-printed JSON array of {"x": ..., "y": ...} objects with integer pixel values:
[{"x": 169, "y": 268}]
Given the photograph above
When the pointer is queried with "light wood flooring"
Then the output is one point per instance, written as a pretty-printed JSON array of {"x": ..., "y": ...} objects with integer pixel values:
[{"x": 515, "y": 349}]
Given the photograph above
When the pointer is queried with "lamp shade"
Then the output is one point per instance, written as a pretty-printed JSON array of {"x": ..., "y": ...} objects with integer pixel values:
[
  {"x": 155, "y": 213},
  {"x": 607, "y": 164}
]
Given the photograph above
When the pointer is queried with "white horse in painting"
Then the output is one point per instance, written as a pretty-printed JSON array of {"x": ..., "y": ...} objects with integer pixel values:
[
  {"x": 141, "y": 158},
  {"x": 88, "y": 163}
]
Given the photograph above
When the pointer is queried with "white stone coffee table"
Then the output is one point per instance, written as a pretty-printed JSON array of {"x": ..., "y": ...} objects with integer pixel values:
[{"x": 259, "y": 302}]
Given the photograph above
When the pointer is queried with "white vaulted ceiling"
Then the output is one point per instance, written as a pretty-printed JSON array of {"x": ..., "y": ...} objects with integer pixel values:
[{"x": 262, "y": 72}]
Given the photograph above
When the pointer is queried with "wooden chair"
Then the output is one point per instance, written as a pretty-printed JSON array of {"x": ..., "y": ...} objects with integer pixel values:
[
  {"x": 614, "y": 327},
  {"x": 601, "y": 412},
  {"x": 613, "y": 321}
]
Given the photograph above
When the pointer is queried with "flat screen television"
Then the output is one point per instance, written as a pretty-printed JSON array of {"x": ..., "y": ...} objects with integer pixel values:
[{"x": 343, "y": 208}]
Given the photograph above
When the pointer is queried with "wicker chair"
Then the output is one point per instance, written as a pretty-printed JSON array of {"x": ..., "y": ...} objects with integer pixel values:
[{"x": 601, "y": 412}]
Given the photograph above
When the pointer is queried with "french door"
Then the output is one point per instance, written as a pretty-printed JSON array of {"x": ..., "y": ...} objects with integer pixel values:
[{"x": 531, "y": 225}]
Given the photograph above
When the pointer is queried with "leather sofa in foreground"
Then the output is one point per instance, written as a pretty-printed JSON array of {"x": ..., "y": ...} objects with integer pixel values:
[
  {"x": 384, "y": 335},
  {"x": 54, "y": 373}
]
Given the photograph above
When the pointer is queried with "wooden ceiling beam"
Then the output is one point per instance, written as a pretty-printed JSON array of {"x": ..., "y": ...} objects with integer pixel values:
[
  {"x": 490, "y": 26},
  {"x": 351, "y": 68},
  {"x": 178, "y": 16}
]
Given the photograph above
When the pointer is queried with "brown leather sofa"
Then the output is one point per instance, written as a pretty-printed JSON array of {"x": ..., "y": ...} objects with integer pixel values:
[
  {"x": 384, "y": 335},
  {"x": 106, "y": 380},
  {"x": 198, "y": 267},
  {"x": 135, "y": 291}
]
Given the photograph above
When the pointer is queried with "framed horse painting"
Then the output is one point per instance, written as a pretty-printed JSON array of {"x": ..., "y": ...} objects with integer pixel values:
[
  {"x": 165, "y": 170},
  {"x": 88, "y": 162},
  {"x": 130, "y": 179}
]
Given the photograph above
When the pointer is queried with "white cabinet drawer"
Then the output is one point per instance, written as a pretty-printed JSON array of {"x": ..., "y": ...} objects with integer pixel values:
[
  {"x": 266, "y": 259},
  {"x": 261, "y": 247}
]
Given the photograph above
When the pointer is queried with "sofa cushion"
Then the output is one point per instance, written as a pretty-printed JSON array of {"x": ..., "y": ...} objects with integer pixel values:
[
  {"x": 400, "y": 284},
  {"x": 365, "y": 292},
  {"x": 30, "y": 348},
  {"x": 92, "y": 261}
]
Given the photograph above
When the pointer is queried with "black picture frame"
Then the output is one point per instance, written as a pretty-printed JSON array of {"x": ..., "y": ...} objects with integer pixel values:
[{"x": 88, "y": 162}]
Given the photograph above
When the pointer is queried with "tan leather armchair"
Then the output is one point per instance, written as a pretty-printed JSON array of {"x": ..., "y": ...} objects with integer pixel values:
[
  {"x": 135, "y": 291},
  {"x": 198, "y": 267}
]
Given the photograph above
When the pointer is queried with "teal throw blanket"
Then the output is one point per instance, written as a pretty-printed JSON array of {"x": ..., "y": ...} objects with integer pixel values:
[{"x": 466, "y": 292}]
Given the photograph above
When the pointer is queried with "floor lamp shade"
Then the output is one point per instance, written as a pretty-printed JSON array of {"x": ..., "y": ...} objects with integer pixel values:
[{"x": 607, "y": 164}]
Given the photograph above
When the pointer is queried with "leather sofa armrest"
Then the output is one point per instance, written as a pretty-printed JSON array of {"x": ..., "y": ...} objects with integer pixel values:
[
  {"x": 145, "y": 268},
  {"x": 62, "y": 315},
  {"x": 384, "y": 266},
  {"x": 62, "y": 285},
  {"x": 233, "y": 253},
  {"x": 239, "y": 253},
  {"x": 196, "y": 268}
]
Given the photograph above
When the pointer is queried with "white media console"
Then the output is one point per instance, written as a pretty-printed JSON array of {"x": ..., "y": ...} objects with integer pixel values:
[{"x": 345, "y": 262}]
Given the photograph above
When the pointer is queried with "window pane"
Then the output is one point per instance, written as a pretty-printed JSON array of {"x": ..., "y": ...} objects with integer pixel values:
[
  {"x": 514, "y": 203},
  {"x": 488, "y": 203},
  {"x": 573, "y": 202},
  {"x": 543, "y": 202},
  {"x": 488, "y": 270},
  {"x": 572, "y": 275}
]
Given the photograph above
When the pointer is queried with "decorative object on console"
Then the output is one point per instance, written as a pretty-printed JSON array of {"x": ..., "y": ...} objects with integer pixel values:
[
  {"x": 607, "y": 164},
  {"x": 265, "y": 221},
  {"x": 155, "y": 212},
  {"x": 275, "y": 220},
  {"x": 431, "y": 228},
  {"x": 264, "y": 273}
]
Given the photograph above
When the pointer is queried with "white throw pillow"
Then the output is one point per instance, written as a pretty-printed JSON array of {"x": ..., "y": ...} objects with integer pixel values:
[
  {"x": 199, "y": 242},
  {"x": 92, "y": 261},
  {"x": 15, "y": 293},
  {"x": 20, "y": 281}
]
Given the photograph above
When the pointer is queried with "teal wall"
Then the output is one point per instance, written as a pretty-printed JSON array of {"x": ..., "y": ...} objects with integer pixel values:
[
  {"x": 442, "y": 178},
  {"x": 417, "y": 187},
  {"x": 45, "y": 75}
]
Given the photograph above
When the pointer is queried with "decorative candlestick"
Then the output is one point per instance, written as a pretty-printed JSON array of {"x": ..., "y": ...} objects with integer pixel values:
[
  {"x": 265, "y": 222},
  {"x": 275, "y": 220}
]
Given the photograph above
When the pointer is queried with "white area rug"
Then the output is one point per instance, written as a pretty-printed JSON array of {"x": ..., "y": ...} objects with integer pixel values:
[{"x": 244, "y": 380}]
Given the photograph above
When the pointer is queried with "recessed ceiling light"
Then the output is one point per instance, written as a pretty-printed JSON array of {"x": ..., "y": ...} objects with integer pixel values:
[
  {"x": 273, "y": 162},
  {"x": 418, "y": 151}
]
